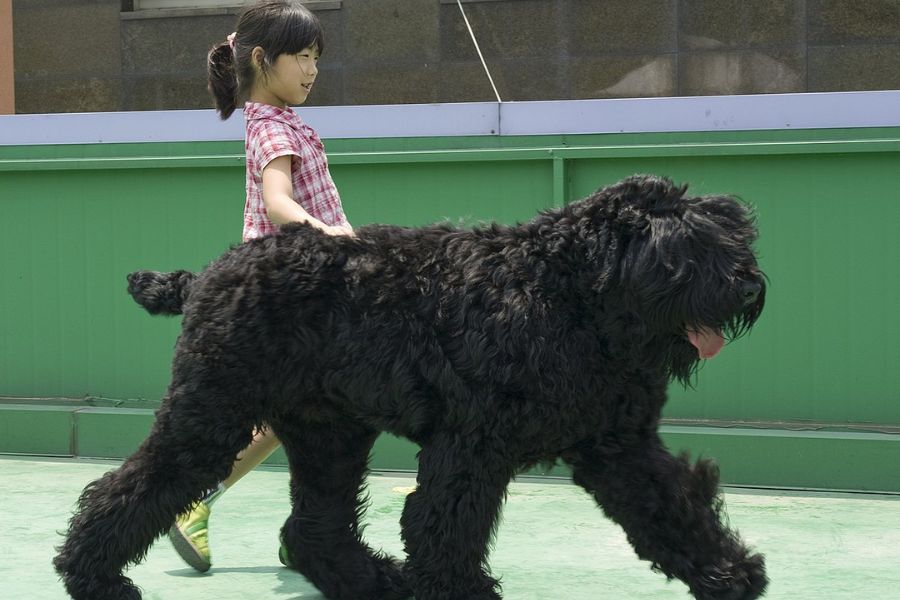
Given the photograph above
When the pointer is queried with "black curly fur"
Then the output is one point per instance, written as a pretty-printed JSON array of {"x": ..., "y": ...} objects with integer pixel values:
[
  {"x": 493, "y": 349},
  {"x": 161, "y": 293}
]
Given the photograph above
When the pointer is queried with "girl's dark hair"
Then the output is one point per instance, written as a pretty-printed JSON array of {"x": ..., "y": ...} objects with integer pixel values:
[{"x": 278, "y": 27}]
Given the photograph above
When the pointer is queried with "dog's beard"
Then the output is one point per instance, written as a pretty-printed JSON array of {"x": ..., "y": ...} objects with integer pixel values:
[
  {"x": 682, "y": 362},
  {"x": 743, "y": 320},
  {"x": 707, "y": 337}
]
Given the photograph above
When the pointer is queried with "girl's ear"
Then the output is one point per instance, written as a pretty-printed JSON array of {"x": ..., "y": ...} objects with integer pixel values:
[{"x": 257, "y": 55}]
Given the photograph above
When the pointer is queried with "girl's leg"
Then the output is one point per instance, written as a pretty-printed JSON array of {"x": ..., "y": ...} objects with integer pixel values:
[
  {"x": 190, "y": 533},
  {"x": 263, "y": 445}
]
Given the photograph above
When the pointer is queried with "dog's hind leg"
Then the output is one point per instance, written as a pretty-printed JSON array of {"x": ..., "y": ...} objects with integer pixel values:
[
  {"x": 322, "y": 536},
  {"x": 670, "y": 511},
  {"x": 191, "y": 446},
  {"x": 449, "y": 520}
]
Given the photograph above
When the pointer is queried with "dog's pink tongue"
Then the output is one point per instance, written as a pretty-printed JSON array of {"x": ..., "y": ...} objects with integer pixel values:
[{"x": 707, "y": 341}]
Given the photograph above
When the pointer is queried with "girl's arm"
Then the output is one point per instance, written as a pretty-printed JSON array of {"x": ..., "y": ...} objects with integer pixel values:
[{"x": 278, "y": 196}]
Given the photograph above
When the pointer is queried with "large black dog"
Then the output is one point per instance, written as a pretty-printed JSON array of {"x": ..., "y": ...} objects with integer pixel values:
[{"x": 493, "y": 348}]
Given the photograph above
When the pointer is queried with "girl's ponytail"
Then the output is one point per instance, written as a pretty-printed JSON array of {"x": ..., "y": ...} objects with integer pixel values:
[{"x": 223, "y": 82}]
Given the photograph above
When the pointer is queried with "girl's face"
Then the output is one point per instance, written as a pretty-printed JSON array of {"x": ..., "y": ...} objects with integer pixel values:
[{"x": 289, "y": 79}]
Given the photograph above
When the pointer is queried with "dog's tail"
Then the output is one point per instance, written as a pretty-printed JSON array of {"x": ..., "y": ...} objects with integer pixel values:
[{"x": 161, "y": 293}]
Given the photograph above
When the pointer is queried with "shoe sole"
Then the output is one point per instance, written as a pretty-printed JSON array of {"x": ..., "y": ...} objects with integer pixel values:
[{"x": 186, "y": 550}]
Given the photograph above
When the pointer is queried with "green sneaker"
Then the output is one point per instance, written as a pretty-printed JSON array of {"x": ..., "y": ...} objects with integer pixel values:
[
  {"x": 283, "y": 557},
  {"x": 190, "y": 537}
]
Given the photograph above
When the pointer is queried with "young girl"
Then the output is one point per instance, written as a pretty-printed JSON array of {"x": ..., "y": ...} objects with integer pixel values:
[{"x": 271, "y": 61}]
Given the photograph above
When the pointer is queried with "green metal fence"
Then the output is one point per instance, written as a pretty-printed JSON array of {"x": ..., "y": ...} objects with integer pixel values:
[{"x": 816, "y": 382}]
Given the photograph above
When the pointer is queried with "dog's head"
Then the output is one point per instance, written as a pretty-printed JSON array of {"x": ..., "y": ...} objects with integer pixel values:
[{"x": 686, "y": 265}]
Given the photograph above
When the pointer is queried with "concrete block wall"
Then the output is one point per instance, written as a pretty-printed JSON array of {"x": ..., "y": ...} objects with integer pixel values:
[{"x": 100, "y": 55}]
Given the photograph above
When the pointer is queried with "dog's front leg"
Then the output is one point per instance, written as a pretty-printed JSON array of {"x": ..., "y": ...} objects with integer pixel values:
[
  {"x": 670, "y": 511},
  {"x": 448, "y": 521}
]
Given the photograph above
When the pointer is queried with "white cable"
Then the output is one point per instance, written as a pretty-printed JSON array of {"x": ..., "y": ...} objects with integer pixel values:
[{"x": 477, "y": 49}]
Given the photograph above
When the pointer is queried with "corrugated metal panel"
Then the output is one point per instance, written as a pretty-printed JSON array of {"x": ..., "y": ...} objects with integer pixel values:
[{"x": 822, "y": 351}]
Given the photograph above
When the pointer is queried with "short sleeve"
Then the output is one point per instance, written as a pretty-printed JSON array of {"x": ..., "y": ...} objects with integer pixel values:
[{"x": 271, "y": 140}]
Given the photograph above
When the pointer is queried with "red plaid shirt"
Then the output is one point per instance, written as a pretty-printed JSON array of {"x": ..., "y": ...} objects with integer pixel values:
[{"x": 274, "y": 132}]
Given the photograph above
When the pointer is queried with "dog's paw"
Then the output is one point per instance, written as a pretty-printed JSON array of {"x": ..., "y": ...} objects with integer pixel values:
[
  {"x": 392, "y": 583},
  {"x": 477, "y": 588},
  {"x": 744, "y": 580},
  {"x": 116, "y": 588}
]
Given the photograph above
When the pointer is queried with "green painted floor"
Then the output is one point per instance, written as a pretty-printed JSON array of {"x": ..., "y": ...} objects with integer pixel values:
[{"x": 554, "y": 544}]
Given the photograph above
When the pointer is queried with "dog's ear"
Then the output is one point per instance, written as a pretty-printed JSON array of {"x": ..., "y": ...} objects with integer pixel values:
[
  {"x": 617, "y": 214},
  {"x": 652, "y": 195},
  {"x": 718, "y": 217},
  {"x": 648, "y": 194},
  {"x": 629, "y": 205}
]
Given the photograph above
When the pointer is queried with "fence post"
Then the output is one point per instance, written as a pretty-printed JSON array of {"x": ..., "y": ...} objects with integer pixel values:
[{"x": 559, "y": 180}]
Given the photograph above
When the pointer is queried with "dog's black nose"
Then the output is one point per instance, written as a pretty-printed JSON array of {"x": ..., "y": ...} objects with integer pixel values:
[{"x": 750, "y": 291}]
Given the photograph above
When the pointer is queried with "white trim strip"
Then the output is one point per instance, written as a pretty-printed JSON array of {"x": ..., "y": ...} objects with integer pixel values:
[
  {"x": 403, "y": 120},
  {"x": 400, "y": 120},
  {"x": 705, "y": 113},
  {"x": 682, "y": 114}
]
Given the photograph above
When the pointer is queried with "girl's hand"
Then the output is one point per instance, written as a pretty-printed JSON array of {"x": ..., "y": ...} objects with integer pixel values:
[{"x": 339, "y": 230}]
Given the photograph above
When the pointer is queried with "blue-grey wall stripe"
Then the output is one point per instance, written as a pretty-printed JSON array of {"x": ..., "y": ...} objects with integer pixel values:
[{"x": 635, "y": 115}]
